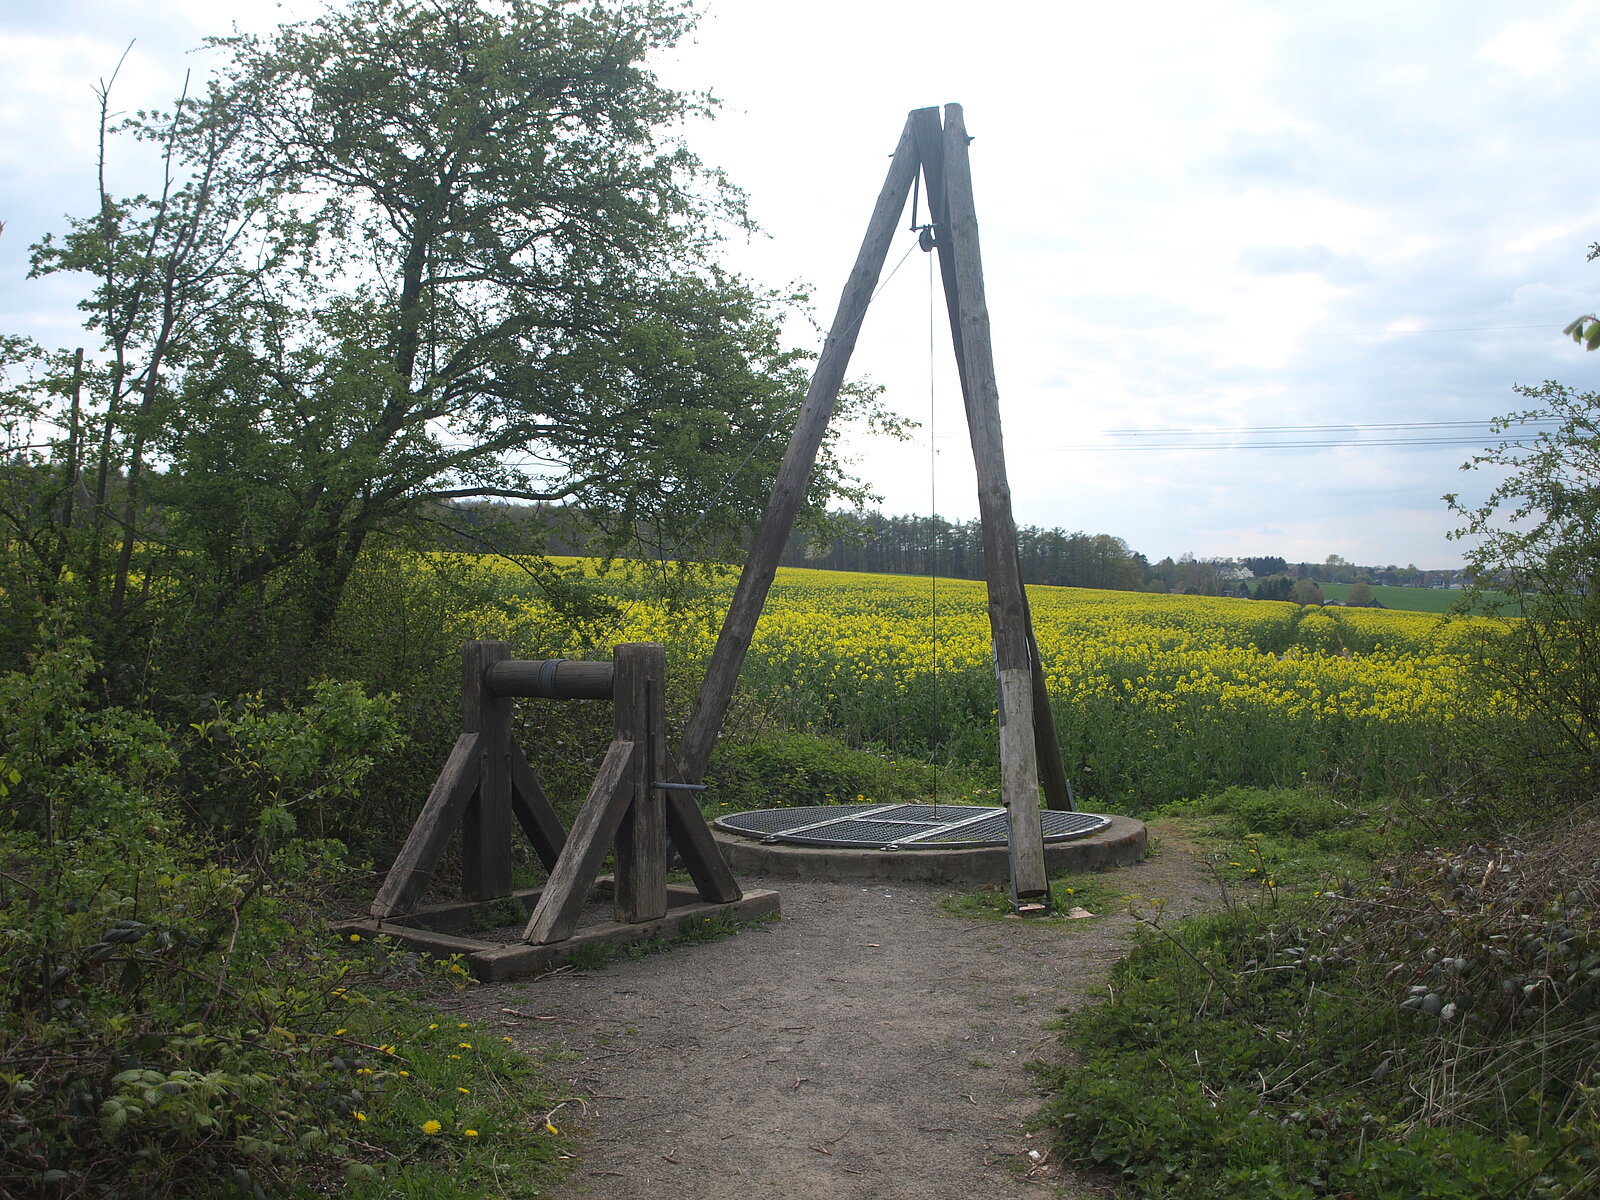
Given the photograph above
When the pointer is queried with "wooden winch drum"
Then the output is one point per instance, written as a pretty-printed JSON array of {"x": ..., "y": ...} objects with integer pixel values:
[{"x": 551, "y": 679}]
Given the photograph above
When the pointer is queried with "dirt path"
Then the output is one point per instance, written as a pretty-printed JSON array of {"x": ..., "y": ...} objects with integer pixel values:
[{"x": 869, "y": 1046}]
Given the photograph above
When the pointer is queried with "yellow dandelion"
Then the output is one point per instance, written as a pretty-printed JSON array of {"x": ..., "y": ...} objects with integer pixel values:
[
  {"x": 465, "y": 1091},
  {"x": 469, "y": 1133},
  {"x": 431, "y": 1127},
  {"x": 360, "y": 1116},
  {"x": 355, "y": 937},
  {"x": 551, "y": 1129}
]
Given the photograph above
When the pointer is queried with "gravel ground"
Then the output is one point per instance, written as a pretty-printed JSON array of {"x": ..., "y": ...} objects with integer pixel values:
[{"x": 868, "y": 1046}]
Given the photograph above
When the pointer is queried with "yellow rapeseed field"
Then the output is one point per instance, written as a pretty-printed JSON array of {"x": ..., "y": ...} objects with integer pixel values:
[{"x": 1159, "y": 696}]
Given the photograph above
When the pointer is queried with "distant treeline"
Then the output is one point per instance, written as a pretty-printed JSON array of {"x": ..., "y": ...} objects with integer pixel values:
[
  {"x": 934, "y": 546},
  {"x": 915, "y": 545}
]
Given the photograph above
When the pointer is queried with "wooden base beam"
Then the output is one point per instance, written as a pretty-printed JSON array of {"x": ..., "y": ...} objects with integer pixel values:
[{"x": 495, "y": 961}]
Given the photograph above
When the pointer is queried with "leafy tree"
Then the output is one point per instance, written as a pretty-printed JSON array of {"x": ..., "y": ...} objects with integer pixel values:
[
  {"x": 162, "y": 266},
  {"x": 1360, "y": 595},
  {"x": 1535, "y": 551},
  {"x": 404, "y": 254},
  {"x": 1306, "y": 591},
  {"x": 1277, "y": 587}
]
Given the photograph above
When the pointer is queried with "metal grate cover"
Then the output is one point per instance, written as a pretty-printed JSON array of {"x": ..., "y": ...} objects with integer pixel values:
[{"x": 900, "y": 826}]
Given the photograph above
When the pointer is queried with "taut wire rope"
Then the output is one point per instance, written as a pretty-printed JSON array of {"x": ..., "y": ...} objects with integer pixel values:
[{"x": 662, "y": 553}]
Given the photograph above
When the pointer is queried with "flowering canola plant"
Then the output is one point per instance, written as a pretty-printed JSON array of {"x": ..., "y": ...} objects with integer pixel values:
[{"x": 1155, "y": 696}]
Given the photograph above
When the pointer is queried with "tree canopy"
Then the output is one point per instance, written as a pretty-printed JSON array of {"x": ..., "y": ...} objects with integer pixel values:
[
  {"x": 403, "y": 253},
  {"x": 1534, "y": 553}
]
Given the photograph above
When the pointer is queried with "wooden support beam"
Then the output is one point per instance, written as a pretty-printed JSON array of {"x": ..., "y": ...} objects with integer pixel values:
[
  {"x": 414, "y": 865},
  {"x": 692, "y": 839},
  {"x": 562, "y": 900},
  {"x": 929, "y": 134},
  {"x": 486, "y": 823},
  {"x": 490, "y": 962},
  {"x": 722, "y": 674},
  {"x": 1047, "y": 743},
  {"x": 534, "y": 812},
  {"x": 1008, "y": 613},
  {"x": 638, "y": 708}
]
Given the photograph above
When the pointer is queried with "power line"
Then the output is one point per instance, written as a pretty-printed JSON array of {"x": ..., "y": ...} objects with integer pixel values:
[
  {"x": 1409, "y": 332},
  {"x": 1285, "y": 445},
  {"x": 1218, "y": 431}
]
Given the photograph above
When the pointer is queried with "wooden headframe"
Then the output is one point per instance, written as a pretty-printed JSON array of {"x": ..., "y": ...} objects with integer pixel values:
[
  {"x": 1029, "y": 752},
  {"x": 638, "y": 798}
]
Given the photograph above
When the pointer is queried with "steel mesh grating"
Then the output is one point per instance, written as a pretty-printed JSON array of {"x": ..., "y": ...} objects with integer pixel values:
[{"x": 900, "y": 826}]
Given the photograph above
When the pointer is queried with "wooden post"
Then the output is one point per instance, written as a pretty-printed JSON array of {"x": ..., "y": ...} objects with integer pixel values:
[
  {"x": 929, "y": 136},
  {"x": 641, "y": 892},
  {"x": 533, "y": 810},
  {"x": 486, "y": 823},
  {"x": 1008, "y": 612},
  {"x": 722, "y": 673},
  {"x": 1052, "y": 770}
]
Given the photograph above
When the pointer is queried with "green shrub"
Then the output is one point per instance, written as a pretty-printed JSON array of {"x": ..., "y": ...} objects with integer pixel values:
[
  {"x": 790, "y": 769},
  {"x": 174, "y": 1021},
  {"x": 1281, "y": 812}
]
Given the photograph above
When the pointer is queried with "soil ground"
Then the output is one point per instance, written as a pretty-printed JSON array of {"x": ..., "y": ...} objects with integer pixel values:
[{"x": 868, "y": 1046}]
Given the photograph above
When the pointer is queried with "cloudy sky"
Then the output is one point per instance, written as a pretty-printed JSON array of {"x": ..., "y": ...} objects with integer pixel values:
[{"x": 1208, "y": 230}]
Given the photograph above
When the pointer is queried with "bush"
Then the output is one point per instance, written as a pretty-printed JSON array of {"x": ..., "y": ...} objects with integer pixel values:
[
  {"x": 173, "y": 1021},
  {"x": 786, "y": 768},
  {"x": 1534, "y": 550},
  {"x": 1282, "y": 812}
]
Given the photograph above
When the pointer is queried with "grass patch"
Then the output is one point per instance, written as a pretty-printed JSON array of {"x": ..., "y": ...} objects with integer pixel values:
[
  {"x": 440, "y": 1107},
  {"x": 1277, "y": 840},
  {"x": 1409, "y": 599},
  {"x": 1091, "y": 892}
]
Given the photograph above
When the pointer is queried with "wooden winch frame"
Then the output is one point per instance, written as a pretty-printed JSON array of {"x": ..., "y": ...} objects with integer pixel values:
[{"x": 637, "y": 800}]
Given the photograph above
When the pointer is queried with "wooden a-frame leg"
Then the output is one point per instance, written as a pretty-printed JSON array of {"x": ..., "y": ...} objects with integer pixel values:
[
  {"x": 692, "y": 839},
  {"x": 534, "y": 812},
  {"x": 563, "y": 897},
  {"x": 440, "y": 816}
]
